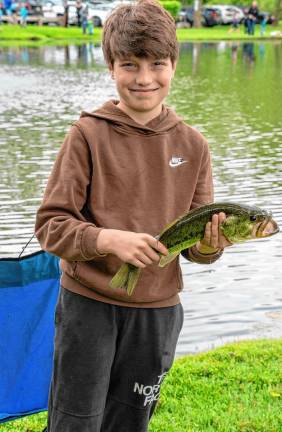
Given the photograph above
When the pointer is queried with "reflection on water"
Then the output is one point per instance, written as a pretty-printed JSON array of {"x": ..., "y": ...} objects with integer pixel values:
[
  {"x": 231, "y": 92},
  {"x": 86, "y": 55}
]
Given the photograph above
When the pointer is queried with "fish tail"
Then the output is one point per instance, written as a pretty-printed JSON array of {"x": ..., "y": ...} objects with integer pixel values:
[
  {"x": 126, "y": 277},
  {"x": 120, "y": 278},
  {"x": 132, "y": 280}
]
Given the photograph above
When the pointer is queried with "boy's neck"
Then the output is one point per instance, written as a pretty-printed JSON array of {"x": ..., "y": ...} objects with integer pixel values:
[{"x": 139, "y": 116}]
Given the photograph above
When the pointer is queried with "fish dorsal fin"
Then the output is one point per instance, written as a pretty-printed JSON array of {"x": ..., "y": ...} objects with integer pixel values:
[{"x": 168, "y": 226}]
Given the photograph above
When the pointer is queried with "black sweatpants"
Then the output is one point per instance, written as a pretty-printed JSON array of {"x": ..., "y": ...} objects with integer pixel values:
[{"x": 109, "y": 363}]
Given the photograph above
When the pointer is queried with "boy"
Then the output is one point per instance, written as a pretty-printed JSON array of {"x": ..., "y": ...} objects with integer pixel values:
[{"x": 123, "y": 172}]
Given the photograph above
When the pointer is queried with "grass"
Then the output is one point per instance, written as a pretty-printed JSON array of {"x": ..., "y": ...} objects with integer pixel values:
[
  {"x": 41, "y": 35},
  {"x": 235, "y": 388}
]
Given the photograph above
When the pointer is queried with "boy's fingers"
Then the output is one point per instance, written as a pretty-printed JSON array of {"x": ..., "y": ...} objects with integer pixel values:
[
  {"x": 157, "y": 245},
  {"x": 144, "y": 259},
  {"x": 207, "y": 236},
  {"x": 222, "y": 241},
  {"x": 137, "y": 263},
  {"x": 152, "y": 254},
  {"x": 214, "y": 231},
  {"x": 221, "y": 217}
]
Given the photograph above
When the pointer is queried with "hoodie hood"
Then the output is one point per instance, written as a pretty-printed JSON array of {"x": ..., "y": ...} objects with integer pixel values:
[{"x": 165, "y": 121}]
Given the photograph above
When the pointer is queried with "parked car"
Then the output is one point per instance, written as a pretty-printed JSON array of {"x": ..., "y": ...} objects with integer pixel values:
[
  {"x": 210, "y": 16},
  {"x": 97, "y": 12},
  {"x": 227, "y": 13},
  {"x": 100, "y": 12},
  {"x": 54, "y": 8},
  {"x": 34, "y": 7}
]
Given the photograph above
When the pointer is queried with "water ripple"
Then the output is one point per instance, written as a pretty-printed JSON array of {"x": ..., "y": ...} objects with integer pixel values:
[{"x": 43, "y": 91}]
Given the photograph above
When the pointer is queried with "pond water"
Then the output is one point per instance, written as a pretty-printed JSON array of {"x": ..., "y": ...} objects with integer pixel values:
[{"x": 232, "y": 93}]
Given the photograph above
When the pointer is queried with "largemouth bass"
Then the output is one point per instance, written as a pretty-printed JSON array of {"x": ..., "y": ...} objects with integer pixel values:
[{"x": 242, "y": 223}]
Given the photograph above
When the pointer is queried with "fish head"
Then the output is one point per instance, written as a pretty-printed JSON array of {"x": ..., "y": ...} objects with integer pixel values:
[
  {"x": 264, "y": 225},
  {"x": 247, "y": 225}
]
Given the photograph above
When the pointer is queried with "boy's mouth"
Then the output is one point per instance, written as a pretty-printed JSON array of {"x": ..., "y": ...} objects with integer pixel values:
[{"x": 143, "y": 90}]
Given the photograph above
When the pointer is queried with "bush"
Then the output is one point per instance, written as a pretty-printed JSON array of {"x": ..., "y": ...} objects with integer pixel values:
[{"x": 172, "y": 6}]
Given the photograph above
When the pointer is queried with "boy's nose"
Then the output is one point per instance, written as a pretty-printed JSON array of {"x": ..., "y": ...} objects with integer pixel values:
[{"x": 144, "y": 77}]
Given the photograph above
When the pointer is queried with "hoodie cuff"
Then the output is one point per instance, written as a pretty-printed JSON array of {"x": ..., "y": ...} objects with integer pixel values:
[
  {"x": 192, "y": 254},
  {"x": 89, "y": 243}
]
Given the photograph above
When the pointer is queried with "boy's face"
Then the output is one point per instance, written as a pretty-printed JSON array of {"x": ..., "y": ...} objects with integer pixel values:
[{"x": 142, "y": 83}]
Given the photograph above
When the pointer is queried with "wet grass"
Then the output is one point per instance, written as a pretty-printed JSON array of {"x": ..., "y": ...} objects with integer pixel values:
[
  {"x": 41, "y": 35},
  {"x": 235, "y": 388}
]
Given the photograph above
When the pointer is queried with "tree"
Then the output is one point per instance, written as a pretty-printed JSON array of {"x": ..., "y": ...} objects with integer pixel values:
[
  {"x": 278, "y": 10},
  {"x": 197, "y": 13}
]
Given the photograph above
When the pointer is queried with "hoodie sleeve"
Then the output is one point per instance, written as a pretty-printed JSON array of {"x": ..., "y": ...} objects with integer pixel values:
[
  {"x": 204, "y": 188},
  {"x": 203, "y": 195},
  {"x": 61, "y": 227}
]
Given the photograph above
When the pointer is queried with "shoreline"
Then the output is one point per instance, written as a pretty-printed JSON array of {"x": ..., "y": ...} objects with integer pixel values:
[{"x": 33, "y": 35}]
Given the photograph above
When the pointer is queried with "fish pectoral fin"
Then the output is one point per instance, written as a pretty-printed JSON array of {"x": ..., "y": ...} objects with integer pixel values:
[{"x": 166, "y": 259}]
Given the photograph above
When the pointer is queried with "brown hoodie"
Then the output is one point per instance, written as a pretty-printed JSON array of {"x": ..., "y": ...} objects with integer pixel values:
[{"x": 112, "y": 172}]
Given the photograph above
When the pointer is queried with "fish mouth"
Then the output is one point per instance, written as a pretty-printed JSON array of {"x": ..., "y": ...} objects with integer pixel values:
[{"x": 267, "y": 228}]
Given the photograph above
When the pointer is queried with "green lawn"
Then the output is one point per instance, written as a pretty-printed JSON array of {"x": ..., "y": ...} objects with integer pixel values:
[
  {"x": 235, "y": 388},
  {"x": 38, "y": 35}
]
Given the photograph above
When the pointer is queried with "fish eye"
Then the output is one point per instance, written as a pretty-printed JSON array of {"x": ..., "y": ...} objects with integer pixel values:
[{"x": 253, "y": 218}]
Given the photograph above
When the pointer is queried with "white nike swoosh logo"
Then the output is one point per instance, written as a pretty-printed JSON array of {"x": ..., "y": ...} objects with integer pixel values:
[{"x": 175, "y": 163}]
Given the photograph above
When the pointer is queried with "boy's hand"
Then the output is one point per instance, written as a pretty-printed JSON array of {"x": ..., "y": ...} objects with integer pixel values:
[
  {"x": 139, "y": 249},
  {"x": 214, "y": 238}
]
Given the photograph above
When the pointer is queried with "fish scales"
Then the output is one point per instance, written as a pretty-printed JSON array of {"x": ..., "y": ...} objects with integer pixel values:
[{"x": 192, "y": 226}]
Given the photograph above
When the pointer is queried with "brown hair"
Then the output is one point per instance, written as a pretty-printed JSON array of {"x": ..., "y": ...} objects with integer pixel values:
[{"x": 142, "y": 29}]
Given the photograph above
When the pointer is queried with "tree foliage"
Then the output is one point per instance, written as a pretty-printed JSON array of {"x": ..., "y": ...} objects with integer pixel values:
[{"x": 172, "y": 6}]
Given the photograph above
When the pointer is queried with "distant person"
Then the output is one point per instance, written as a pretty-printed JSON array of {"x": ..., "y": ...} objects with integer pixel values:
[
  {"x": 263, "y": 24},
  {"x": 235, "y": 25},
  {"x": 23, "y": 14},
  {"x": 1, "y": 13},
  {"x": 90, "y": 26},
  {"x": 84, "y": 18},
  {"x": 253, "y": 14},
  {"x": 12, "y": 13},
  {"x": 79, "y": 7}
]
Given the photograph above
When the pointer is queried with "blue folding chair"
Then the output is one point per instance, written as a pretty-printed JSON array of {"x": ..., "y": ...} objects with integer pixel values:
[{"x": 29, "y": 288}]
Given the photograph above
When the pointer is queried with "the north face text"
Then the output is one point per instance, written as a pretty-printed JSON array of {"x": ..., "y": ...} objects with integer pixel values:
[{"x": 151, "y": 393}]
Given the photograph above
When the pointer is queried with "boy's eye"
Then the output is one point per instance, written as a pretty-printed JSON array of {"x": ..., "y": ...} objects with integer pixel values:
[
  {"x": 128, "y": 65},
  {"x": 159, "y": 63}
]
